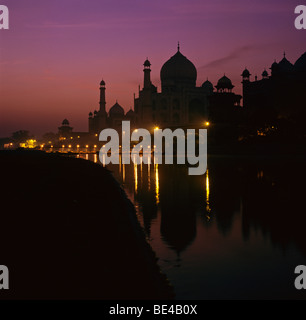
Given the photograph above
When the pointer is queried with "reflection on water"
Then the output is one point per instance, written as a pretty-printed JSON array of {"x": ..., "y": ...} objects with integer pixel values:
[
  {"x": 207, "y": 194},
  {"x": 156, "y": 184},
  {"x": 235, "y": 232}
]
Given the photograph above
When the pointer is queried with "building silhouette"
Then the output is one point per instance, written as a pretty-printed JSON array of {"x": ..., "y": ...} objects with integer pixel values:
[
  {"x": 179, "y": 104},
  {"x": 279, "y": 95},
  {"x": 99, "y": 120}
]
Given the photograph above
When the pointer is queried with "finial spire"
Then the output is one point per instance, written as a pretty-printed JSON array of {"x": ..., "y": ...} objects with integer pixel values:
[
  {"x": 284, "y": 54},
  {"x": 178, "y": 46}
]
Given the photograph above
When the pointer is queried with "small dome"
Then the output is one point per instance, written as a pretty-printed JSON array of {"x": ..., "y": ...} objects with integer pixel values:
[
  {"x": 95, "y": 112},
  {"x": 265, "y": 74},
  {"x": 245, "y": 73},
  {"x": 285, "y": 65},
  {"x": 300, "y": 64},
  {"x": 224, "y": 83},
  {"x": 90, "y": 114},
  {"x": 207, "y": 85},
  {"x": 274, "y": 65},
  {"x": 116, "y": 109},
  {"x": 102, "y": 83},
  {"x": 147, "y": 63},
  {"x": 178, "y": 70},
  {"x": 65, "y": 122}
]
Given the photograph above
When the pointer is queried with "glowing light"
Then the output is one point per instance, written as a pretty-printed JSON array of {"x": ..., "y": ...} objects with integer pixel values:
[
  {"x": 135, "y": 176},
  {"x": 78, "y": 146},
  {"x": 30, "y": 144},
  {"x": 156, "y": 128},
  {"x": 156, "y": 184},
  {"x": 71, "y": 137},
  {"x": 86, "y": 145},
  {"x": 149, "y": 172},
  {"x": 95, "y": 146},
  {"x": 63, "y": 146},
  {"x": 96, "y": 134},
  {"x": 208, "y": 209},
  {"x": 123, "y": 173},
  {"x": 207, "y": 123},
  {"x": 69, "y": 146},
  {"x": 95, "y": 158}
]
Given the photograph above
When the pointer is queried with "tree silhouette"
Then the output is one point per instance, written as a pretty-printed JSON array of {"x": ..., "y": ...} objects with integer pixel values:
[{"x": 21, "y": 135}]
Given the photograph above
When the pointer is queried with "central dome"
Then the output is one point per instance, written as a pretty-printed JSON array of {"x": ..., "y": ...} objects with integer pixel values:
[
  {"x": 116, "y": 109},
  {"x": 178, "y": 71}
]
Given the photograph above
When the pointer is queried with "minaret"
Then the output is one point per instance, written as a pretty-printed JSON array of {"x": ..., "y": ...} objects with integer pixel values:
[
  {"x": 102, "y": 101},
  {"x": 245, "y": 86},
  {"x": 245, "y": 75},
  {"x": 147, "y": 78}
]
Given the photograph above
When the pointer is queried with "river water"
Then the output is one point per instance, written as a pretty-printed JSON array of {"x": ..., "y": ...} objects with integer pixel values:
[{"x": 237, "y": 232}]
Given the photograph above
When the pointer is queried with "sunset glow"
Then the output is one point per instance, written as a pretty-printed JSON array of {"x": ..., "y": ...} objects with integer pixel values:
[{"x": 56, "y": 52}]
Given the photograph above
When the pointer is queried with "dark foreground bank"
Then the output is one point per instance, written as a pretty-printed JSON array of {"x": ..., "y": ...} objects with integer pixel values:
[{"x": 69, "y": 232}]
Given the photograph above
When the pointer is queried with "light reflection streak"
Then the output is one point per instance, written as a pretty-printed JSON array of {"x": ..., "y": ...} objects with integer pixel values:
[
  {"x": 135, "y": 175},
  {"x": 157, "y": 184},
  {"x": 149, "y": 172},
  {"x": 207, "y": 189},
  {"x": 123, "y": 173}
]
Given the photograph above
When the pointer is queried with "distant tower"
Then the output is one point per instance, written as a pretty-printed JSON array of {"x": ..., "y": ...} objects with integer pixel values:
[
  {"x": 265, "y": 74},
  {"x": 98, "y": 120},
  {"x": 147, "y": 77},
  {"x": 65, "y": 130},
  {"x": 245, "y": 75},
  {"x": 245, "y": 84},
  {"x": 102, "y": 101}
]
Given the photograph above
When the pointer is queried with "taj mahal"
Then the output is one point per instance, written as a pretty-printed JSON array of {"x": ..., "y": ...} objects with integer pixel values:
[
  {"x": 179, "y": 104},
  {"x": 277, "y": 95}
]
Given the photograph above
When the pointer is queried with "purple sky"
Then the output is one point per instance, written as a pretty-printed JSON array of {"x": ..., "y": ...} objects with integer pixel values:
[{"x": 57, "y": 51}]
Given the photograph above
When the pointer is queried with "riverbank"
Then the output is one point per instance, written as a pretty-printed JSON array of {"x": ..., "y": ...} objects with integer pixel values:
[{"x": 69, "y": 232}]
